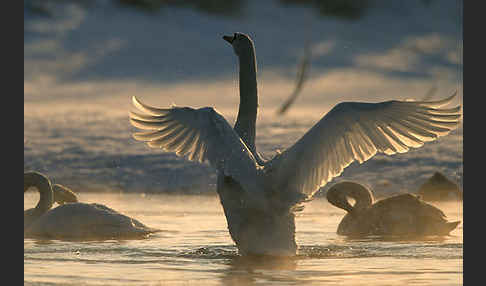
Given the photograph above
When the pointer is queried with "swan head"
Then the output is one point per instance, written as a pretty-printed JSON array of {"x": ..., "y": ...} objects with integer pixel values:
[
  {"x": 241, "y": 43},
  {"x": 340, "y": 193}
]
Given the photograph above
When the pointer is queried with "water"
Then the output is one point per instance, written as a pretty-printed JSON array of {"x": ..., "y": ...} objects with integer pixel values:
[
  {"x": 84, "y": 60},
  {"x": 194, "y": 248},
  {"x": 92, "y": 150}
]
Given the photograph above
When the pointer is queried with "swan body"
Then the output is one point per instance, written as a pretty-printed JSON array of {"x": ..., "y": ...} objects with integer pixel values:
[
  {"x": 399, "y": 215},
  {"x": 259, "y": 197},
  {"x": 74, "y": 220}
]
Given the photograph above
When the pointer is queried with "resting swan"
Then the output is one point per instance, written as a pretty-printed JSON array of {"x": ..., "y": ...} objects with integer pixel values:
[
  {"x": 259, "y": 197},
  {"x": 60, "y": 195},
  {"x": 399, "y": 215},
  {"x": 79, "y": 221}
]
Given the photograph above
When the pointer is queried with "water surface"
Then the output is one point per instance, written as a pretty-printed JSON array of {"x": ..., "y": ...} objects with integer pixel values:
[
  {"x": 84, "y": 60},
  {"x": 194, "y": 248}
]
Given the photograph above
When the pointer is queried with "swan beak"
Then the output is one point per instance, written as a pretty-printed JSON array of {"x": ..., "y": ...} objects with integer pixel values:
[{"x": 229, "y": 39}]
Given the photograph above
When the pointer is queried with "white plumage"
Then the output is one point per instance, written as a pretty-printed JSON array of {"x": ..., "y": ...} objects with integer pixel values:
[
  {"x": 272, "y": 190},
  {"x": 73, "y": 220}
]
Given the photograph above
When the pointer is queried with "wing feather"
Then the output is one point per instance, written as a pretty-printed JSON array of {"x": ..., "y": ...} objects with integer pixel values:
[
  {"x": 357, "y": 131},
  {"x": 199, "y": 135}
]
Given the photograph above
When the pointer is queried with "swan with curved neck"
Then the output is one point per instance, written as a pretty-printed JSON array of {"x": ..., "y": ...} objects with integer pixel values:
[
  {"x": 46, "y": 196},
  {"x": 74, "y": 220},
  {"x": 402, "y": 215},
  {"x": 260, "y": 198}
]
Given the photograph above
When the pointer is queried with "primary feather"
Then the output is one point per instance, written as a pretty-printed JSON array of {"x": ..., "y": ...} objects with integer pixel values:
[{"x": 259, "y": 197}]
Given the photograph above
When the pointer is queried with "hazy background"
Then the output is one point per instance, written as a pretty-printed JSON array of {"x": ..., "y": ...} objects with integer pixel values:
[{"x": 83, "y": 60}]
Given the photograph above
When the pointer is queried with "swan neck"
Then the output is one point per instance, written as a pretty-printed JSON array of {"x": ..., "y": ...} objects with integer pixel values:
[
  {"x": 340, "y": 202},
  {"x": 363, "y": 198},
  {"x": 339, "y": 195},
  {"x": 247, "y": 112},
  {"x": 43, "y": 185}
]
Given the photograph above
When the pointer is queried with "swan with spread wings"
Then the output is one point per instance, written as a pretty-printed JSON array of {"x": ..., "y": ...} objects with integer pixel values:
[{"x": 260, "y": 197}]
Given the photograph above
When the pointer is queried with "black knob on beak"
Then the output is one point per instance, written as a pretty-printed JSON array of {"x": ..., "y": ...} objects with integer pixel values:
[{"x": 229, "y": 39}]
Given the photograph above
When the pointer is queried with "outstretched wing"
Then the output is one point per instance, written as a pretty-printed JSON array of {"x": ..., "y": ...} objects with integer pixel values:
[
  {"x": 357, "y": 131},
  {"x": 199, "y": 135}
]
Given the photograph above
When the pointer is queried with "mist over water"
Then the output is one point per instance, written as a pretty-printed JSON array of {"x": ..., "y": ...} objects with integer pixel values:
[
  {"x": 82, "y": 64},
  {"x": 194, "y": 248},
  {"x": 84, "y": 60}
]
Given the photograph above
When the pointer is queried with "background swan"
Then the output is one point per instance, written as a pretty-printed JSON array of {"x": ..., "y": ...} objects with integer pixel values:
[
  {"x": 439, "y": 188},
  {"x": 74, "y": 220},
  {"x": 403, "y": 214},
  {"x": 46, "y": 197},
  {"x": 259, "y": 197}
]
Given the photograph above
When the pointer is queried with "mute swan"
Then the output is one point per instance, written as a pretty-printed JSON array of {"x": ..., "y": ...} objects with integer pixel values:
[
  {"x": 403, "y": 214},
  {"x": 78, "y": 221},
  {"x": 259, "y": 197}
]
